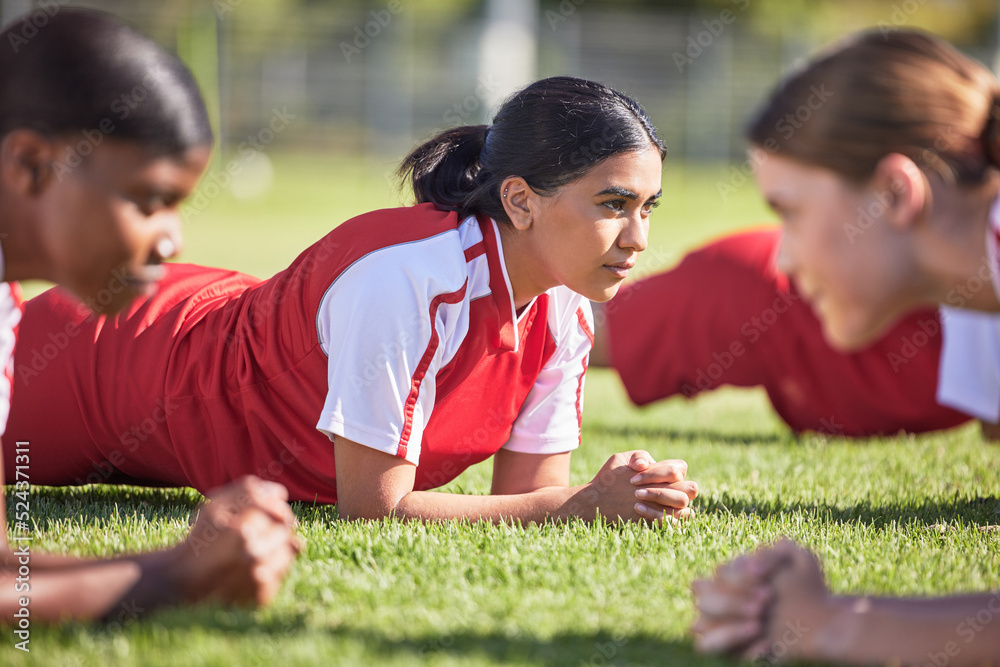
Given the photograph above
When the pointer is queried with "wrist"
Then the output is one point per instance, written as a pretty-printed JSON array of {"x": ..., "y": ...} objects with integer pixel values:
[
  {"x": 839, "y": 626},
  {"x": 160, "y": 579},
  {"x": 575, "y": 502}
]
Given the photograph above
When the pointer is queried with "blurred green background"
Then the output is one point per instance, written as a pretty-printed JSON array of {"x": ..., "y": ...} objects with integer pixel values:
[{"x": 315, "y": 102}]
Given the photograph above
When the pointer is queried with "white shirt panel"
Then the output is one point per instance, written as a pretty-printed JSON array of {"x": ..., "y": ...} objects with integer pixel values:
[
  {"x": 969, "y": 371},
  {"x": 10, "y": 317},
  {"x": 374, "y": 325}
]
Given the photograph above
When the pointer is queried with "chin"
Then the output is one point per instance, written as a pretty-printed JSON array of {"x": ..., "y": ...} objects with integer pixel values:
[
  {"x": 851, "y": 337},
  {"x": 600, "y": 295},
  {"x": 106, "y": 301}
]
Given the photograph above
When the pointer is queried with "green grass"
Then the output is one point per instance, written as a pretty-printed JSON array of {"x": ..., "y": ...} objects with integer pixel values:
[{"x": 888, "y": 516}]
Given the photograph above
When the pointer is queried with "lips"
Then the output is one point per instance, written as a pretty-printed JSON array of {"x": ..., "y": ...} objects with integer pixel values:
[
  {"x": 620, "y": 269},
  {"x": 143, "y": 281}
]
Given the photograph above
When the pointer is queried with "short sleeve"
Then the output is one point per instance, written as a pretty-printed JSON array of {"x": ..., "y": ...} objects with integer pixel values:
[
  {"x": 10, "y": 317},
  {"x": 550, "y": 419},
  {"x": 969, "y": 374},
  {"x": 385, "y": 324}
]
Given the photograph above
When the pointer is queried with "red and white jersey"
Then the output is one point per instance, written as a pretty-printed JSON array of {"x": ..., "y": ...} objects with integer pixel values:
[
  {"x": 394, "y": 356},
  {"x": 396, "y": 330},
  {"x": 10, "y": 317},
  {"x": 970, "y": 356}
]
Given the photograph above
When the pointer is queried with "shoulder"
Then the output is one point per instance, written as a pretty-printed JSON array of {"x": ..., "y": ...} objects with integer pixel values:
[
  {"x": 413, "y": 243},
  {"x": 399, "y": 275},
  {"x": 393, "y": 226}
]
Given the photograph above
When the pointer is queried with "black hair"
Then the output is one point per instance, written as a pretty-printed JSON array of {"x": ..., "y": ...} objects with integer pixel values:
[
  {"x": 550, "y": 133},
  {"x": 84, "y": 70}
]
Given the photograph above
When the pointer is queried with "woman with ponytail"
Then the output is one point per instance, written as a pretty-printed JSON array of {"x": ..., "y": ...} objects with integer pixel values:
[
  {"x": 400, "y": 349},
  {"x": 88, "y": 199},
  {"x": 888, "y": 198}
]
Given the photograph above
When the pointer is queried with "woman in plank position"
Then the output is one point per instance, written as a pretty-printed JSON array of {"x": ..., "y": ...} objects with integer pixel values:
[
  {"x": 88, "y": 199},
  {"x": 725, "y": 315},
  {"x": 908, "y": 138},
  {"x": 419, "y": 340}
]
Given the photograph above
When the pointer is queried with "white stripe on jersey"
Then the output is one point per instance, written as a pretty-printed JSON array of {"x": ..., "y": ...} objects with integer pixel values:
[{"x": 10, "y": 317}]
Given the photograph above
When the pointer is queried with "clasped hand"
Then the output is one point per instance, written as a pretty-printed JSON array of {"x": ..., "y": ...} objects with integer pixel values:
[{"x": 634, "y": 486}]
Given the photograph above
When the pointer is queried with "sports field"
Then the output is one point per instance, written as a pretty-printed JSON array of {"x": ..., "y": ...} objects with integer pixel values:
[{"x": 904, "y": 516}]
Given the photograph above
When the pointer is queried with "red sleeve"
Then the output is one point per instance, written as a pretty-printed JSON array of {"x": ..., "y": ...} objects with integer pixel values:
[{"x": 688, "y": 329}]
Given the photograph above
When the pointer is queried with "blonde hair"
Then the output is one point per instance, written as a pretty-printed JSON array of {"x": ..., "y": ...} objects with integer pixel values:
[{"x": 877, "y": 93}]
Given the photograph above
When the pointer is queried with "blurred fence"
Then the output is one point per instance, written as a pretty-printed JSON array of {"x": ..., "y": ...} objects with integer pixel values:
[{"x": 373, "y": 79}]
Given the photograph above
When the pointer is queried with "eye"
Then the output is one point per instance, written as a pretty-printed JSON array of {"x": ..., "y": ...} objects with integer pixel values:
[
  {"x": 648, "y": 207},
  {"x": 616, "y": 205},
  {"x": 153, "y": 202}
]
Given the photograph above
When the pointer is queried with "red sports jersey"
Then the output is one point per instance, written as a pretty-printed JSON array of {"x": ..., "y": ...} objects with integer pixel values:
[
  {"x": 11, "y": 307},
  {"x": 725, "y": 315},
  {"x": 396, "y": 330}
]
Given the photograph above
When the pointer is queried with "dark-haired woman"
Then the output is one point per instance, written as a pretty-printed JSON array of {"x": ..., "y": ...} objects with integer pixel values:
[
  {"x": 88, "y": 199},
  {"x": 908, "y": 138},
  {"x": 420, "y": 340}
]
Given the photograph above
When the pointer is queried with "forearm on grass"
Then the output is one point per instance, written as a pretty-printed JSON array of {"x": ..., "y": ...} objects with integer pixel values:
[
  {"x": 61, "y": 588},
  {"x": 552, "y": 503},
  {"x": 961, "y": 630},
  {"x": 528, "y": 488}
]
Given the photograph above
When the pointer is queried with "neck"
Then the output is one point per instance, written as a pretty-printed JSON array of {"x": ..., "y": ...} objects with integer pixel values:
[
  {"x": 520, "y": 261},
  {"x": 952, "y": 253},
  {"x": 22, "y": 246}
]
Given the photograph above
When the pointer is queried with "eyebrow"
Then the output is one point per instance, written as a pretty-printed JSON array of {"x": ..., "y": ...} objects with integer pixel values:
[{"x": 625, "y": 192}]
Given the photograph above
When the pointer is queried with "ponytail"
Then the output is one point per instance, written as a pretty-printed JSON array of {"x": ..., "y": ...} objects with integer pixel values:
[
  {"x": 550, "y": 134},
  {"x": 444, "y": 170}
]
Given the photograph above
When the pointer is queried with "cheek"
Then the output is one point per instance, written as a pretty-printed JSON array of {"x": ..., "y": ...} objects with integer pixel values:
[{"x": 129, "y": 235}]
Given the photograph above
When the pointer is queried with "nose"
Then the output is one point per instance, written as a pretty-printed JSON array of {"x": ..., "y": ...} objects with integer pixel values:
[
  {"x": 635, "y": 233},
  {"x": 170, "y": 243},
  {"x": 784, "y": 259}
]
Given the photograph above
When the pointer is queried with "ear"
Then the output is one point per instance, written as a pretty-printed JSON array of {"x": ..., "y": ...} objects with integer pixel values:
[
  {"x": 517, "y": 198},
  {"x": 902, "y": 188},
  {"x": 26, "y": 159}
]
